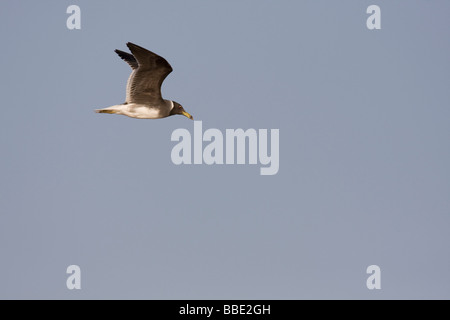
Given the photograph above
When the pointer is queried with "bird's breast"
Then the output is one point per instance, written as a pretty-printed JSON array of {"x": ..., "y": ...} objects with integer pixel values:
[{"x": 141, "y": 111}]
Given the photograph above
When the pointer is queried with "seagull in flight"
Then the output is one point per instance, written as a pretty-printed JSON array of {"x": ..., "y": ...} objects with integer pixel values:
[{"x": 143, "y": 98}]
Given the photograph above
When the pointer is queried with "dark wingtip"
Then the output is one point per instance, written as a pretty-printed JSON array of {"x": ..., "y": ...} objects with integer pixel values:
[
  {"x": 128, "y": 58},
  {"x": 131, "y": 44}
]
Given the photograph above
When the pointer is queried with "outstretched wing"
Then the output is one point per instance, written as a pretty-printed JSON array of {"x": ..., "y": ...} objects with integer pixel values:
[
  {"x": 128, "y": 58},
  {"x": 144, "y": 84}
]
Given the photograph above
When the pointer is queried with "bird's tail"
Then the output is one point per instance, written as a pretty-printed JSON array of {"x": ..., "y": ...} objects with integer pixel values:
[{"x": 105, "y": 111}]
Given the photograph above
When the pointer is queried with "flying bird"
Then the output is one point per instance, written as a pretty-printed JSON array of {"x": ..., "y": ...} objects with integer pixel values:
[{"x": 143, "y": 98}]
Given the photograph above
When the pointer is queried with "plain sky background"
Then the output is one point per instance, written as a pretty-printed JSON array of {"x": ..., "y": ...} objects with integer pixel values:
[{"x": 364, "y": 119}]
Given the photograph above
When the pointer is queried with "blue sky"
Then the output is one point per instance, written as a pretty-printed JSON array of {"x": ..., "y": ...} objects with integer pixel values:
[{"x": 363, "y": 179}]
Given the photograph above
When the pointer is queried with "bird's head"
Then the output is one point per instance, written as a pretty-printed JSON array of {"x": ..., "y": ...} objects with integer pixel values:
[{"x": 178, "y": 109}]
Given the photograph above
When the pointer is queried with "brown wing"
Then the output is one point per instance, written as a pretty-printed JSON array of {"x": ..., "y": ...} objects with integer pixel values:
[
  {"x": 144, "y": 84},
  {"x": 128, "y": 58}
]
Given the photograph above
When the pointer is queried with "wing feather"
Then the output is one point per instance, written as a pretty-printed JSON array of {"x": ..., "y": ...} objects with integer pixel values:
[
  {"x": 128, "y": 58},
  {"x": 144, "y": 83}
]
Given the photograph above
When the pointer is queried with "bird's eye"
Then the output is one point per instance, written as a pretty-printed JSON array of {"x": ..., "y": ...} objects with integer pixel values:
[{"x": 179, "y": 107}]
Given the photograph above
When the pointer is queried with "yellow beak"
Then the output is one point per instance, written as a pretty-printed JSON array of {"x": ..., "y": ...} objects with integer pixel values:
[{"x": 184, "y": 113}]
